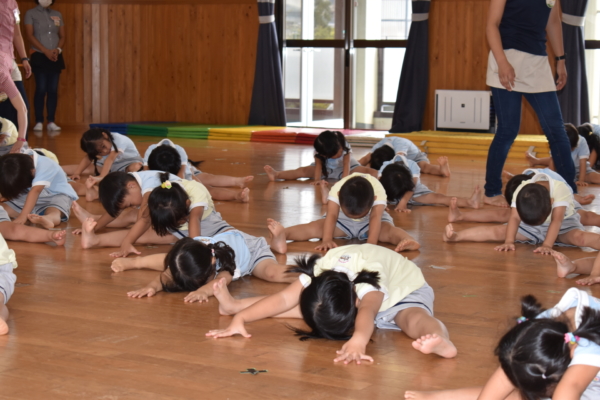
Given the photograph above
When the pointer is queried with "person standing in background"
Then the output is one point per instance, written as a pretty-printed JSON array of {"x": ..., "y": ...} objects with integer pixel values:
[{"x": 46, "y": 32}]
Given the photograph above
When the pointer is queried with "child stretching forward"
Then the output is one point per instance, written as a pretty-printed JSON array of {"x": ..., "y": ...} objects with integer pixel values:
[
  {"x": 548, "y": 353},
  {"x": 390, "y": 147},
  {"x": 8, "y": 262},
  {"x": 355, "y": 209},
  {"x": 340, "y": 296},
  {"x": 195, "y": 264},
  {"x": 333, "y": 160}
]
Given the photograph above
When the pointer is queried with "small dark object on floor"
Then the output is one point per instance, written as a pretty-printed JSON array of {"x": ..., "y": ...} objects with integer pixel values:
[{"x": 253, "y": 371}]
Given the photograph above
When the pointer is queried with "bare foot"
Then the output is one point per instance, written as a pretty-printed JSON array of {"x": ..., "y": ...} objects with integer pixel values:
[
  {"x": 271, "y": 173},
  {"x": 449, "y": 234},
  {"x": 244, "y": 181},
  {"x": 407, "y": 245},
  {"x": 244, "y": 195},
  {"x": 124, "y": 264},
  {"x": 40, "y": 220},
  {"x": 88, "y": 236},
  {"x": 434, "y": 344},
  {"x": 441, "y": 395},
  {"x": 58, "y": 237},
  {"x": 584, "y": 200},
  {"x": 79, "y": 212},
  {"x": 3, "y": 327},
  {"x": 324, "y": 191},
  {"x": 277, "y": 230},
  {"x": 454, "y": 214},
  {"x": 474, "y": 201},
  {"x": 444, "y": 166},
  {"x": 496, "y": 201},
  {"x": 564, "y": 265},
  {"x": 91, "y": 194},
  {"x": 90, "y": 182},
  {"x": 531, "y": 159},
  {"x": 228, "y": 305}
]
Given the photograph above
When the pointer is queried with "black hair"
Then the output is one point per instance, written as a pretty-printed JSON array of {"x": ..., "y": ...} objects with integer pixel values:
[
  {"x": 112, "y": 190},
  {"x": 168, "y": 207},
  {"x": 396, "y": 179},
  {"x": 587, "y": 131},
  {"x": 356, "y": 196},
  {"x": 17, "y": 174},
  {"x": 381, "y": 155},
  {"x": 190, "y": 264},
  {"x": 165, "y": 158},
  {"x": 328, "y": 304},
  {"x": 90, "y": 143},
  {"x": 327, "y": 145},
  {"x": 534, "y": 355},
  {"x": 38, "y": 2},
  {"x": 513, "y": 184},
  {"x": 534, "y": 204},
  {"x": 572, "y": 134}
]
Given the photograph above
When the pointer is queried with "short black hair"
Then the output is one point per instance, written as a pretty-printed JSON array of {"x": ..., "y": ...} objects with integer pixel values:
[
  {"x": 356, "y": 196},
  {"x": 91, "y": 141},
  {"x": 513, "y": 184},
  {"x": 112, "y": 191},
  {"x": 165, "y": 158},
  {"x": 381, "y": 155},
  {"x": 534, "y": 204},
  {"x": 38, "y": 2},
  {"x": 572, "y": 134},
  {"x": 16, "y": 174},
  {"x": 168, "y": 207},
  {"x": 396, "y": 179}
]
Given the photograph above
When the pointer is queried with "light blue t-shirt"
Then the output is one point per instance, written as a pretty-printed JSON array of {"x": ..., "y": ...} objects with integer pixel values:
[
  {"x": 125, "y": 147},
  {"x": 50, "y": 175},
  {"x": 400, "y": 145},
  {"x": 552, "y": 174},
  {"x": 235, "y": 240},
  {"x": 335, "y": 163},
  {"x": 180, "y": 150},
  {"x": 149, "y": 180},
  {"x": 412, "y": 166},
  {"x": 582, "y": 151}
]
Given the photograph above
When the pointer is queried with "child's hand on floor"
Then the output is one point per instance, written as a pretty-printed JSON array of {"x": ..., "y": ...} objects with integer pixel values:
[
  {"x": 352, "y": 352},
  {"x": 21, "y": 220},
  {"x": 581, "y": 183},
  {"x": 402, "y": 208},
  {"x": 199, "y": 295},
  {"x": 326, "y": 246},
  {"x": 235, "y": 328},
  {"x": 75, "y": 177},
  {"x": 543, "y": 250},
  {"x": 589, "y": 281},
  {"x": 125, "y": 251},
  {"x": 505, "y": 247},
  {"x": 138, "y": 294}
]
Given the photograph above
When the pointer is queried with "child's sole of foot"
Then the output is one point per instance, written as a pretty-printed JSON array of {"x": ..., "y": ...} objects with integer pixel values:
[
  {"x": 245, "y": 195},
  {"x": 475, "y": 200},
  {"x": 278, "y": 241},
  {"x": 59, "y": 237},
  {"x": 449, "y": 234},
  {"x": 245, "y": 181},
  {"x": 564, "y": 265},
  {"x": 40, "y": 220},
  {"x": 434, "y": 344},
  {"x": 227, "y": 303},
  {"x": 454, "y": 213},
  {"x": 271, "y": 173},
  {"x": 88, "y": 236},
  {"x": 407, "y": 245}
]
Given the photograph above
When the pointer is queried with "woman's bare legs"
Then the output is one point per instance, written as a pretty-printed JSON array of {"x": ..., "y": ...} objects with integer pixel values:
[{"x": 302, "y": 172}]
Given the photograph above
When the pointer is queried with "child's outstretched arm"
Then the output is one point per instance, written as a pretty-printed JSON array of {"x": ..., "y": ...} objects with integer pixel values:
[
  {"x": 318, "y": 171},
  {"x": 582, "y": 170},
  {"x": 375, "y": 223},
  {"x": 333, "y": 211},
  {"x": 270, "y": 306},
  {"x": 108, "y": 164},
  {"x": 511, "y": 231},
  {"x": 181, "y": 172},
  {"x": 153, "y": 287},
  {"x": 346, "y": 161},
  {"x": 137, "y": 230},
  {"x": 498, "y": 387},
  {"x": 205, "y": 291},
  {"x": 558, "y": 215},
  {"x": 30, "y": 201},
  {"x": 194, "y": 221},
  {"x": 594, "y": 274},
  {"x": 366, "y": 159},
  {"x": 83, "y": 164},
  {"x": 355, "y": 348},
  {"x": 574, "y": 382}
]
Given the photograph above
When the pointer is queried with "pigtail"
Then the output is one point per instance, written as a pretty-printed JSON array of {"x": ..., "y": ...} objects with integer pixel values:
[
  {"x": 195, "y": 164},
  {"x": 305, "y": 265},
  {"x": 587, "y": 131},
  {"x": 342, "y": 141},
  {"x": 163, "y": 176},
  {"x": 168, "y": 206},
  {"x": 589, "y": 328},
  {"x": 368, "y": 277},
  {"x": 327, "y": 144},
  {"x": 225, "y": 256},
  {"x": 531, "y": 307},
  {"x": 89, "y": 144}
]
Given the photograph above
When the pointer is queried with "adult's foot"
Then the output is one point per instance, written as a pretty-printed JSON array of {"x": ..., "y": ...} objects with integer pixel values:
[
  {"x": 89, "y": 238},
  {"x": 228, "y": 305},
  {"x": 454, "y": 214},
  {"x": 40, "y": 220},
  {"x": 444, "y": 166},
  {"x": 435, "y": 344},
  {"x": 271, "y": 173},
  {"x": 564, "y": 265},
  {"x": 496, "y": 201},
  {"x": 278, "y": 241}
]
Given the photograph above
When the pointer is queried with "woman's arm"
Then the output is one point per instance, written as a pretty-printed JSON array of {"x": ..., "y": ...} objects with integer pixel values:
[
  {"x": 346, "y": 161},
  {"x": 506, "y": 73},
  {"x": 19, "y": 105},
  {"x": 333, "y": 211},
  {"x": 554, "y": 31},
  {"x": 37, "y": 44},
  {"x": 61, "y": 37},
  {"x": 270, "y": 306},
  {"x": 574, "y": 382},
  {"x": 30, "y": 201},
  {"x": 204, "y": 292},
  {"x": 375, "y": 223},
  {"x": 194, "y": 222},
  {"x": 355, "y": 348},
  {"x": 20, "y": 47}
]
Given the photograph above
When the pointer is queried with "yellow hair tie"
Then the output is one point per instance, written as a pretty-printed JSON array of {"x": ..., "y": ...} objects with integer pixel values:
[{"x": 166, "y": 185}]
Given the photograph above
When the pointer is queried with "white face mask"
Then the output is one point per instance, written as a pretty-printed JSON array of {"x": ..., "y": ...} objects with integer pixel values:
[{"x": 45, "y": 3}]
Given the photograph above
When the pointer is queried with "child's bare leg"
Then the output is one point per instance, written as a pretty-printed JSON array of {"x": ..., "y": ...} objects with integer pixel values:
[
  {"x": 155, "y": 262},
  {"x": 23, "y": 233},
  {"x": 90, "y": 239},
  {"x": 3, "y": 316},
  {"x": 485, "y": 215},
  {"x": 397, "y": 236},
  {"x": 592, "y": 177},
  {"x": 584, "y": 200},
  {"x": 581, "y": 238},
  {"x": 277, "y": 240},
  {"x": 589, "y": 218},
  {"x": 478, "y": 234},
  {"x": 271, "y": 271},
  {"x": 228, "y": 305},
  {"x": 533, "y": 161},
  {"x": 442, "y": 199},
  {"x": 224, "y": 180},
  {"x": 302, "y": 172},
  {"x": 91, "y": 193},
  {"x": 70, "y": 169},
  {"x": 222, "y": 194},
  {"x": 79, "y": 188},
  {"x": 442, "y": 169},
  {"x": 324, "y": 191},
  {"x": 49, "y": 220},
  {"x": 565, "y": 266},
  {"x": 430, "y": 333}
]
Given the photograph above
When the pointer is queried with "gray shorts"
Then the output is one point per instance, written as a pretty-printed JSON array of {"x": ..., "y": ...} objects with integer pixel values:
[
  {"x": 5, "y": 149},
  {"x": 357, "y": 229},
  {"x": 420, "y": 157},
  {"x": 4, "y": 215},
  {"x": 209, "y": 226},
  {"x": 44, "y": 201},
  {"x": 7, "y": 281},
  {"x": 336, "y": 173},
  {"x": 121, "y": 164},
  {"x": 420, "y": 298},
  {"x": 420, "y": 190},
  {"x": 537, "y": 234},
  {"x": 259, "y": 251}
]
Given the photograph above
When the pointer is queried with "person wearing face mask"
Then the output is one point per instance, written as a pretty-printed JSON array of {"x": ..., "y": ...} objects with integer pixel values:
[{"x": 46, "y": 32}]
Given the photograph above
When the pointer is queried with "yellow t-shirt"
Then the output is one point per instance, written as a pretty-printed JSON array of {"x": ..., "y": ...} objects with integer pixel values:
[
  {"x": 380, "y": 195},
  {"x": 398, "y": 276},
  {"x": 7, "y": 255},
  {"x": 8, "y": 133},
  {"x": 560, "y": 193},
  {"x": 199, "y": 197},
  {"x": 48, "y": 154}
]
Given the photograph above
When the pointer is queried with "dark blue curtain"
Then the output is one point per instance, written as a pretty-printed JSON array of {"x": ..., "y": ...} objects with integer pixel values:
[
  {"x": 268, "y": 107},
  {"x": 414, "y": 78},
  {"x": 574, "y": 98}
]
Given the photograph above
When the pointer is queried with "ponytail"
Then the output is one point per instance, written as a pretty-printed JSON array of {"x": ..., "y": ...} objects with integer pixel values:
[
  {"x": 225, "y": 256},
  {"x": 305, "y": 265},
  {"x": 327, "y": 145},
  {"x": 589, "y": 328},
  {"x": 168, "y": 206}
]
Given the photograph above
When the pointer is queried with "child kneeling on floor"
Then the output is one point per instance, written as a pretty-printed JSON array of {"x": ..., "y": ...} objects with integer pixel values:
[
  {"x": 341, "y": 294},
  {"x": 8, "y": 262}
]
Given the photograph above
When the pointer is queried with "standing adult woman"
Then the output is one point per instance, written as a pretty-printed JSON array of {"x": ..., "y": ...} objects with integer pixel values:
[
  {"x": 518, "y": 66},
  {"x": 46, "y": 32}
]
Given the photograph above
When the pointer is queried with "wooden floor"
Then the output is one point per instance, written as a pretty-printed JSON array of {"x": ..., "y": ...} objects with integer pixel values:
[{"x": 74, "y": 334}]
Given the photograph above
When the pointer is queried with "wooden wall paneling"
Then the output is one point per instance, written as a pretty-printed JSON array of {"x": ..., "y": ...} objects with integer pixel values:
[
  {"x": 104, "y": 65},
  {"x": 87, "y": 72}
]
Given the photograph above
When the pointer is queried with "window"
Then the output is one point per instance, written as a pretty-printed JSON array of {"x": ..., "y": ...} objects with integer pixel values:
[
  {"x": 592, "y": 57},
  {"x": 338, "y": 47}
]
